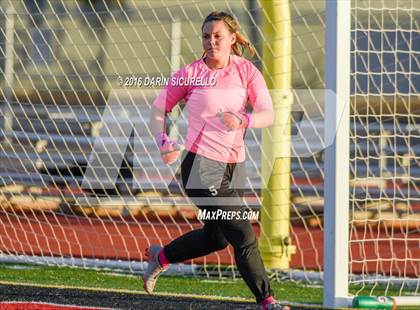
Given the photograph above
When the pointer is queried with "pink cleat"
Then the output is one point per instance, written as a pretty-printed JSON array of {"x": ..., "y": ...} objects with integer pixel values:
[
  {"x": 271, "y": 304},
  {"x": 275, "y": 306}
]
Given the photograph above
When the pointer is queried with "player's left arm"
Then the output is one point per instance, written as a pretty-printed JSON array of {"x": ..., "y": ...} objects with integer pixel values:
[
  {"x": 261, "y": 119},
  {"x": 260, "y": 100}
]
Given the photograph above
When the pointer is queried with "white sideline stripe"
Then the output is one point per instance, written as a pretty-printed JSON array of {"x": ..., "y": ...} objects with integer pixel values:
[
  {"x": 5, "y": 302},
  {"x": 174, "y": 269}
]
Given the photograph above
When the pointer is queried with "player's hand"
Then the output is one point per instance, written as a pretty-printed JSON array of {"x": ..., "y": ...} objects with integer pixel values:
[
  {"x": 233, "y": 121},
  {"x": 169, "y": 150}
]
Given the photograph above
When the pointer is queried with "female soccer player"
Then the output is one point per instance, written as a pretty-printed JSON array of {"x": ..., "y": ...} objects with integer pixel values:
[{"x": 216, "y": 89}]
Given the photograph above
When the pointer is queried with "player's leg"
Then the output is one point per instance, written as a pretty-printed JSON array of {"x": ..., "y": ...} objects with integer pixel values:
[
  {"x": 197, "y": 243},
  {"x": 241, "y": 236},
  {"x": 226, "y": 179}
]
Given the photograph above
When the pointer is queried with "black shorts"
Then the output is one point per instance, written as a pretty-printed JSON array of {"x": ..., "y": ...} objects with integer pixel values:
[{"x": 210, "y": 182}]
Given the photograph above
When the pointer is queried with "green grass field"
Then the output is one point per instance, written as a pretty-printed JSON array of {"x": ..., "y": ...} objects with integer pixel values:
[
  {"x": 75, "y": 277},
  {"x": 290, "y": 291}
]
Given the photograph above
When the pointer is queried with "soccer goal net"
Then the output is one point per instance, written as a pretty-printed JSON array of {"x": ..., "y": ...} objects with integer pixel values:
[{"x": 81, "y": 179}]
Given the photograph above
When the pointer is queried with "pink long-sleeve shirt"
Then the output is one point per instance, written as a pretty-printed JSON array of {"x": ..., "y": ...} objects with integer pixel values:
[{"x": 207, "y": 92}]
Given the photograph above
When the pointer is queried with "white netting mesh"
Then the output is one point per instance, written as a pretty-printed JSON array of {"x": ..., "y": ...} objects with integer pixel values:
[
  {"x": 385, "y": 200},
  {"x": 71, "y": 69}
]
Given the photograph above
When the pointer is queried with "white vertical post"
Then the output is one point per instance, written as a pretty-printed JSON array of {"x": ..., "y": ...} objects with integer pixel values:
[
  {"x": 8, "y": 69},
  {"x": 175, "y": 64},
  {"x": 336, "y": 210},
  {"x": 9, "y": 51},
  {"x": 175, "y": 45}
]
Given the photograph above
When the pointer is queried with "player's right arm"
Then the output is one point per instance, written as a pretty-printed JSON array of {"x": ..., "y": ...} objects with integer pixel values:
[
  {"x": 163, "y": 104},
  {"x": 169, "y": 149},
  {"x": 157, "y": 121}
]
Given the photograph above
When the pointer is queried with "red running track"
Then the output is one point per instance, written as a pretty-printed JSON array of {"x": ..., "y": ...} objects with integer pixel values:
[
  {"x": 375, "y": 250},
  {"x": 15, "y": 305}
]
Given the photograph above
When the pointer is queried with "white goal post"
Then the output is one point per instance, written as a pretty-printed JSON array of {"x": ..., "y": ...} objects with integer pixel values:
[
  {"x": 341, "y": 22},
  {"x": 337, "y": 168}
]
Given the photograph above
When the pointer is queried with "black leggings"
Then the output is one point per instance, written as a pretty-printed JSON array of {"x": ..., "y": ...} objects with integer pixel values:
[{"x": 207, "y": 181}]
